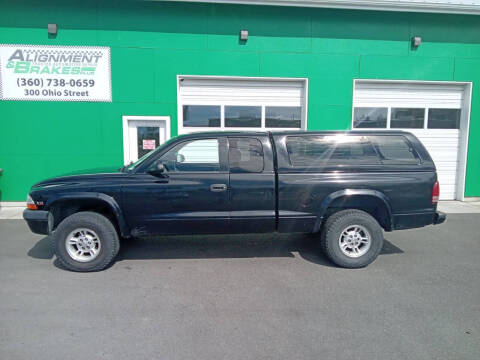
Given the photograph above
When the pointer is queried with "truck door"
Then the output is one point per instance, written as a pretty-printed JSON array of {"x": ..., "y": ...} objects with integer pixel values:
[
  {"x": 192, "y": 197},
  {"x": 252, "y": 184}
]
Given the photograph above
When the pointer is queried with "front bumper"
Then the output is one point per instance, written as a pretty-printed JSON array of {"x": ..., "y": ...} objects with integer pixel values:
[
  {"x": 38, "y": 221},
  {"x": 439, "y": 218}
]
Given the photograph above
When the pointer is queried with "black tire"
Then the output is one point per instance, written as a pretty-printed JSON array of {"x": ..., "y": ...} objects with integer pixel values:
[
  {"x": 336, "y": 225},
  {"x": 107, "y": 235}
]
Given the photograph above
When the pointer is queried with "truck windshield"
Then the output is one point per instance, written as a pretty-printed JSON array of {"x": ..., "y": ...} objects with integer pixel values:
[{"x": 133, "y": 165}]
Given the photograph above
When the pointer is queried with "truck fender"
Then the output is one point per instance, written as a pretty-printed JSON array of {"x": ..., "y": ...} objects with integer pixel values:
[
  {"x": 106, "y": 199},
  {"x": 327, "y": 201}
]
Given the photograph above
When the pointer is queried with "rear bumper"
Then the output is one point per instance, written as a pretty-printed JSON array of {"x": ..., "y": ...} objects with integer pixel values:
[
  {"x": 439, "y": 218},
  {"x": 38, "y": 221},
  {"x": 411, "y": 221}
]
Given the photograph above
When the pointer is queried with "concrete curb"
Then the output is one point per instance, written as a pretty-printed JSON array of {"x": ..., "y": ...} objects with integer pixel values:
[{"x": 10, "y": 212}]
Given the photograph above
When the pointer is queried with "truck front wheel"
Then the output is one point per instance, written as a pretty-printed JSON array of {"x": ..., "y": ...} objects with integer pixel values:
[
  {"x": 351, "y": 238},
  {"x": 86, "y": 241}
]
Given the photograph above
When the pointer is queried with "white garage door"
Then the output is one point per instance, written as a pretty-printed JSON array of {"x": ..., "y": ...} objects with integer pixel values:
[
  {"x": 216, "y": 103},
  {"x": 431, "y": 111}
]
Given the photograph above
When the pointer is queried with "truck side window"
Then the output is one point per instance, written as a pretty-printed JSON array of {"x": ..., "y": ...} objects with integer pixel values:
[
  {"x": 330, "y": 150},
  {"x": 195, "y": 155},
  {"x": 394, "y": 149},
  {"x": 245, "y": 155}
]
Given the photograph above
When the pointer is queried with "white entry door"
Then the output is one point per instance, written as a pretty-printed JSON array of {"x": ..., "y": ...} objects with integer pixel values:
[{"x": 143, "y": 134}]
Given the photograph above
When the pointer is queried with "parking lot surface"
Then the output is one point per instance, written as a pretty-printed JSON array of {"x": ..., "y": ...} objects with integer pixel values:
[{"x": 245, "y": 297}]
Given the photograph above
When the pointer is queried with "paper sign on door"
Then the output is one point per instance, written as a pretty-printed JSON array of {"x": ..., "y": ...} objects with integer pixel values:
[{"x": 149, "y": 144}]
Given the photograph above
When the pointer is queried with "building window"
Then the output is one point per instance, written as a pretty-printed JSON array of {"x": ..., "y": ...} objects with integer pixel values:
[
  {"x": 243, "y": 116},
  {"x": 148, "y": 138},
  {"x": 201, "y": 116},
  {"x": 444, "y": 118},
  {"x": 407, "y": 118},
  {"x": 370, "y": 117},
  {"x": 283, "y": 117}
]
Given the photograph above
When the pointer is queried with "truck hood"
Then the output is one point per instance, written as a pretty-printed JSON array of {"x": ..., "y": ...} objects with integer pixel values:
[{"x": 92, "y": 176}]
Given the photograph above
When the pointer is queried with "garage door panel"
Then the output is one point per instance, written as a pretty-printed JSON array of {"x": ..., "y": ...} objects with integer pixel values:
[
  {"x": 448, "y": 194},
  {"x": 442, "y": 157},
  {"x": 443, "y": 148},
  {"x": 444, "y": 153},
  {"x": 447, "y": 177},
  {"x": 449, "y": 169},
  {"x": 441, "y": 141},
  {"x": 443, "y": 145},
  {"x": 198, "y": 91},
  {"x": 216, "y": 103}
]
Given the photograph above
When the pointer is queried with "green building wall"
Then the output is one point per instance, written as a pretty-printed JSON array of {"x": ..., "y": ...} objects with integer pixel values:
[{"x": 152, "y": 42}]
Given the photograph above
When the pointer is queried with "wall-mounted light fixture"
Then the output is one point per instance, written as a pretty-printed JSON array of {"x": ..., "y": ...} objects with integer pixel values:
[
  {"x": 52, "y": 29},
  {"x": 244, "y": 35},
  {"x": 416, "y": 41}
]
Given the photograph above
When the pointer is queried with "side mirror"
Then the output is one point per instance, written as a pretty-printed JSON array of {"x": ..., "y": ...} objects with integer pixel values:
[
  {"x": 180, "y": 158},
  {"x": 158, "y": 169}
]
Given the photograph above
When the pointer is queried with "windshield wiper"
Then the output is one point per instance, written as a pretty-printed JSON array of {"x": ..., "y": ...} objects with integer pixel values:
[{"x": 124, "y": 167}]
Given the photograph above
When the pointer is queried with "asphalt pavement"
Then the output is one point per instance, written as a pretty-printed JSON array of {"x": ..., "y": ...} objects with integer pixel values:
[{"x": 245, "y": 297}]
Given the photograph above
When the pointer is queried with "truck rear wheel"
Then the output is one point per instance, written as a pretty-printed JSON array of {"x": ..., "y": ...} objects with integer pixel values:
[
  {"x": 351, "y": 238},
  {"x": 86, "y": 241}
]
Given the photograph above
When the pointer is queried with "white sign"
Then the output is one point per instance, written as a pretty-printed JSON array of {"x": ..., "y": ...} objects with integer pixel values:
[
  {"x": 149, "y": 144},
  {"x": 55, "y": 73}
]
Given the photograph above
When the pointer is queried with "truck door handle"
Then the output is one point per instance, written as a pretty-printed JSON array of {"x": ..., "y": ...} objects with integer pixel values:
[{"x": 218, "y": 187}]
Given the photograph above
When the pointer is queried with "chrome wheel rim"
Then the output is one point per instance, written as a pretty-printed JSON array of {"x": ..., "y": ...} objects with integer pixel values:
[
  {"x": 355, "y": 241},
  {"x": 83, "y": 245}
]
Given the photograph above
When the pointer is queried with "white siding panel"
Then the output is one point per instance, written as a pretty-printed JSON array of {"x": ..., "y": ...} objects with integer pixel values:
[
  {"x": 408, "y": 95},
  {"x": 235, "y": 92}
]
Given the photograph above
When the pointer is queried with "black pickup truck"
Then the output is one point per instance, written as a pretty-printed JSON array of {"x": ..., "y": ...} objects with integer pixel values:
[{"x": 345, "y": 186}]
